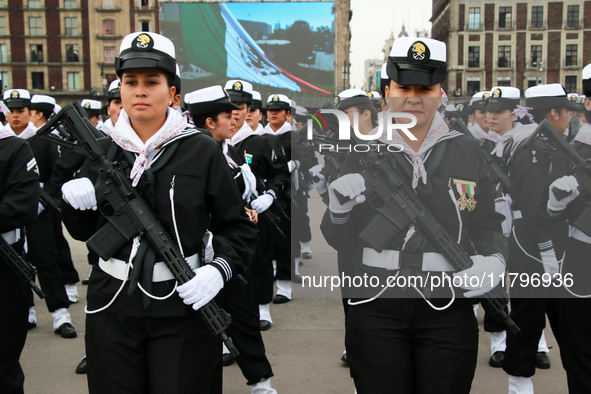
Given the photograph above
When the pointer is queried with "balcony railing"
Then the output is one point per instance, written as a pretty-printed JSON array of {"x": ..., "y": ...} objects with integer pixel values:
[
  {"x": 474, "y": 26},
  {"x": 475, "y": 64},
  {"x": 508, "y": 26},
  {"x": 505, "y": 63},
  {"x": 538, "y": 25},
  {"x": 573, "y": 24}
]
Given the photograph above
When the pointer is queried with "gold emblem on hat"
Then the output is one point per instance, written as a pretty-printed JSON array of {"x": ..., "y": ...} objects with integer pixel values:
[
  {"x": 143, "y": 40},
  {"x": 237, "y": 86},
  {"x": 497, "y": 93},
  {"x": 369, "y": 94},
  {"x": 486, "y": 95},
  {"x": 87, "y": 105},
  {"x": 275, "y": 98},
  {"x": 14, "y": 94},
  {"x": 418, "y": 51}
]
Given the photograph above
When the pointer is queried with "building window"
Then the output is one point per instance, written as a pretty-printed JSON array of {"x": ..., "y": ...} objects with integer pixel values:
[
  {"x": 110, "y": 55},
  {"x": 110, "y": 78},
  {"x": 35, "y": 26},
  {"x": 37, "y": 53},
  {"x": 109, "y": 27},
  {"x": 532, "y": 81},
  {"x": 536, "y": 55},
  {"x": 70, "y": 4},
  {"x": 145, "y": 3},
  {"x": 4, "y": 78},
  {"x": 473, "y": 18},
  {"x": 108, "y": 4},
  {"x": 3, "y": 54},
  {"x": 34, "y": 3},
  {"x": 504, "y": 81},
  {"x": 537, "y": 16},
  {"x": 145, "y": 25},
  {"x": 473, "y": 87},
  {"x": 571, "y": 55},
  {"x": 71, "y": 26},
  {"x": 504, "y": 56},
  {"x": 473, "y": 56},
  {"x": 38, "y": 82},
  {"x": 73, "y": 81},
  {"x": 2, "y": 26},
  {"x": 570, "y": 83},
  {"x": 572, "y": 16},
  {"x": 505, "y": 16},
  {"x": 72, "y": 53},
  {"x": 1, "y": 3}
]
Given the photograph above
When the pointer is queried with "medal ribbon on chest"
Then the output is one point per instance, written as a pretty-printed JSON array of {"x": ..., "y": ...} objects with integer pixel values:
[{"x": 466, "y": 191}]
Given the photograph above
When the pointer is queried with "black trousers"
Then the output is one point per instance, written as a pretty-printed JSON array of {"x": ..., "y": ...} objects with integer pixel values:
[
  {"x": 286, "y": 250},
  {"x": 528, "y": 313},
  {"x": 160, "y": 355},
  {"x": 262, "y": 264},
  {"x": 403, "y": 346},
  {"x": 63, "y": 254},
  {"x": 302, "y": 219},
  {"x": 245, "y": 331},
  {"x": 43, "y": 255},
  {"x": 14, "y": 305}
]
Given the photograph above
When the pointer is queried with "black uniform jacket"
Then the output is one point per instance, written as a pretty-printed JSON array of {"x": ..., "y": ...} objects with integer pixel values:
[
  {"x": 19, "y": 184},
  {"x": 453, "y": 158},
  {"x": 205, "y": 197}
]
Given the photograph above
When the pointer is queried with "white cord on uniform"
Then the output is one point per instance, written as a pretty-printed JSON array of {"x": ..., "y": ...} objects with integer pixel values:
[
  {"x": 176, "y": 231},
  {"x": 388, "y": 284},
  {"x": 453, "y": 298},
  {"x": 453, "y": 198},
  {"x": 566, "y": 287}
]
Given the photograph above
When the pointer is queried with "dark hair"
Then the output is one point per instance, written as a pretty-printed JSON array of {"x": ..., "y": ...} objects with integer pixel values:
[
  {"x": 540, "y": 114},
  {"x": 200, "y": 120},
  {"x": 46, "y": 114},
  {"x": 372, "y": 110}
]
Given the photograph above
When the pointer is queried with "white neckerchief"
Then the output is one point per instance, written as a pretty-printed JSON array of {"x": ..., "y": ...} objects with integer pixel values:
[
  {"x": 28, "y": 132},
  {"x": 282, "y": 130},
  {"x": 107, "y": 127},
  {"x": 6, "y": 132},
  {"x": 231, "y": 162},
  {"x": 124, "y": 136},
  {"x": 584, "y": 134},
  {"x": 260, "y": 130},
  {"x": 436, "y": 133},
  {"x": 477, "y": 131},
  {"x": 501, "y": 140},
  {"x": 242, "y": 134}
]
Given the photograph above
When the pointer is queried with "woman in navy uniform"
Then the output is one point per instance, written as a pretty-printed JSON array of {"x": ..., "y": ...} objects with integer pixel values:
[
  {"x": 19, "y": 199},
  {"x": 145, "y": 339},
  {"x": 398, "y": 339}
]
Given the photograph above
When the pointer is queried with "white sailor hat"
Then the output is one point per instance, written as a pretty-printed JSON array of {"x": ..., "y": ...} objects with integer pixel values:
[
  {"x": 257, "y": 102},
  {"x": 548, "y": 96},
  {"x": 239, "y": 91},
  {"x": 374, "y": 94},
  {"x": 578, "y": 100},
  {"x": 210, "y": 100},
  {"x": 177, "y": 80},
  {"x": 92, "y": 107},
  {"x": 114, "y": 92},
  {"x": 453, "y": 109},
  {"x": 146, "y": 50},
  {"x": 43, "y": 103},
  {"x": 301, "y": 113},
  {"x": 384, "y": 79},
  {"x": 587, "y": 80},
  {"x": 278, "y": 101},
  {"x": 352, "y": 97},
  {"x": 17, "y": 98},
  {"x": 502, "y": 97},
  {"x": 478, "y": 100},
  {"x": 417, "y": 61}
]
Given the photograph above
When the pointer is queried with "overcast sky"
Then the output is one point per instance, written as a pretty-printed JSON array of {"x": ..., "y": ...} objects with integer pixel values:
[{"x": 372, "y": 22}]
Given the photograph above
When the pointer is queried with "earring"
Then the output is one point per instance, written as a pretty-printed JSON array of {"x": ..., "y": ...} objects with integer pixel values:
[
  {"x": 213, "y": 128},
  {"x": 170, "y": 103}
]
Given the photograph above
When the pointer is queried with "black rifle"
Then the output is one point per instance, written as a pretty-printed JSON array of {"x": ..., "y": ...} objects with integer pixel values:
[
  {"x": 127, "y": 214},
  {"x": 398, "y": 206},
  {"x": 48, "y": 201},
  {"x": 582, "y": 172},
  {"x": 574, "y": 125},
  {"x": 23, "y": 269},
  {"x": 496, "y": 171},
  {"x": 269, "y": 216}
]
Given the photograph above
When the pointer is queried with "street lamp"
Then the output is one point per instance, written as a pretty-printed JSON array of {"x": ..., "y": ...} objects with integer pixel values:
[{"x": 539, "y": 68}]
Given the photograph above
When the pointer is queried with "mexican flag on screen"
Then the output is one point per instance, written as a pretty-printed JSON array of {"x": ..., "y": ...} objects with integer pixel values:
[{"x": 212, "y": 29}]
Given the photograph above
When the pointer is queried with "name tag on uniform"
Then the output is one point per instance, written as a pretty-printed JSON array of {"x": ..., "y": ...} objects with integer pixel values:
[{"x": 248, "y": 158}]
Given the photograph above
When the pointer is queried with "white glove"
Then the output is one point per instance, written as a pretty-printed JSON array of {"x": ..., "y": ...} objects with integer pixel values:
[
  {"x": 250, "y": 181},
  {"x": 262, "y": 203},
  {"x": 321, "y": 185},
  {"x": 40, "y": 209},
  {"x": 550, "y": 262},
  {"x": 567, "y": 183},
  {"x": 206, "y": 284},
  {"x": 350, "y": 186},
  {"x": 486, "y": 271},
  {"x": 79, "y": 193},
  {"x": 293, "y": 165}
]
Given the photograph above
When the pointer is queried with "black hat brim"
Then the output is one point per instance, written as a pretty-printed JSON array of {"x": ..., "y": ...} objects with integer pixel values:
[
  {"x": 551, "y": 102},
  {"x": 240, "y": 97},
  {"x": 17, "y": 103},
  {"x": 404, "y": 73},
  {"x": 256, "y": 104},
  {"x": 212, "y": 107},
  {"x": 42, "y": 107},
  {"x": 352, "y": 102},
  {"x": 280, "y": 105},
  {"x": 130, "y": 59}
]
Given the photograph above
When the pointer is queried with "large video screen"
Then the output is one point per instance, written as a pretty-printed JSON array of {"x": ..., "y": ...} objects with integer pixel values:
[{"x": 283, "y": 48}]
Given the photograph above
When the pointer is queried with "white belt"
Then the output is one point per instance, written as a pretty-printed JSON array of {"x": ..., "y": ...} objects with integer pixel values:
[
  {"x": 118, "y": 268},
  {"x": 11, "y": 236},
  {"x": 579, "y": 235},
  {"x": 517, "y": 215},
  {"x": 390, "y": 260}
]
